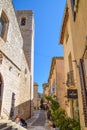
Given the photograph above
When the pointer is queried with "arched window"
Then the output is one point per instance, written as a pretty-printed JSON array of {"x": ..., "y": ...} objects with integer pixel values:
[
  {"x": 23, "y": 21},
  {"x": 4, "y": 22},
  {"x": 1, "y": 25}
]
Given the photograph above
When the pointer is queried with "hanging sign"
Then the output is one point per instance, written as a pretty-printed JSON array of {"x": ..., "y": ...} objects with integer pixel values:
[{"x": 72, "y": 93}]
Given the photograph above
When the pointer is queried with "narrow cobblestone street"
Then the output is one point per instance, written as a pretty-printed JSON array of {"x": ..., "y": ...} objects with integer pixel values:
[{"x": 39, "y": 121}]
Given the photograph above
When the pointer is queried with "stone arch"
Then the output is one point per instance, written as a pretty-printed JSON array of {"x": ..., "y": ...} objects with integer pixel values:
[{"x": 1, "y": 91}]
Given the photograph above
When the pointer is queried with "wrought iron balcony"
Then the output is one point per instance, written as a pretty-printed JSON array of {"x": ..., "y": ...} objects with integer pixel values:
[{"x": 70, "y": 79}]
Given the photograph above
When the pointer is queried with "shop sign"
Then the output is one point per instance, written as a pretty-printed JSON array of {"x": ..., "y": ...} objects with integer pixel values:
[{"x": 72, "y": 93}]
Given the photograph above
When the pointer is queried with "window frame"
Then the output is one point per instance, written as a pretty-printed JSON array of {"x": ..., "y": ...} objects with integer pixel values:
[{"x": 4, "y": 30}]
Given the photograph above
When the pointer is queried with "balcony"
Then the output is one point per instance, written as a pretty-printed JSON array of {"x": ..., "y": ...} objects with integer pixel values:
[{"x": 70, "y": 79}]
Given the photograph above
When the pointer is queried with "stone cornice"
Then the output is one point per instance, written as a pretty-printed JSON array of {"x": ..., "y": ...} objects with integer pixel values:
[
  {"x": 65, "y": 19},
  {"x": 52, "y": 65},
  {"x": 10, "y": 60}
]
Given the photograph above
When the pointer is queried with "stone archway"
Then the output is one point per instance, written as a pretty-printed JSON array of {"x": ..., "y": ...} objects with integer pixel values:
[{"x": 1, "y": 91}]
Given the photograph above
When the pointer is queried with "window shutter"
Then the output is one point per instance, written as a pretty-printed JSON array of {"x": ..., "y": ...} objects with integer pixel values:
[
  {"x": 72, "y": 6},
  {"x": 73, "y": 9},
  {"x": 83, "y": 90}
]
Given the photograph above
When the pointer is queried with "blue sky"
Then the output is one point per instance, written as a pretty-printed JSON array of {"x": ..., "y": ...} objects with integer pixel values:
[{"x": 48, "y": 16}]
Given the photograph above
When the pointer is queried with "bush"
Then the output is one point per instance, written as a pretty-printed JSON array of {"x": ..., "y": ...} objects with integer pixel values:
[{"x": 60, "y": 118}]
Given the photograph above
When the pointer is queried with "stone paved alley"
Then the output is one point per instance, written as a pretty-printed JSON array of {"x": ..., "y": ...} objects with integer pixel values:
[{"x": 39, "y": 121}]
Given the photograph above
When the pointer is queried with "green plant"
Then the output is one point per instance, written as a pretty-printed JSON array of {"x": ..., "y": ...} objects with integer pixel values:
[
  {"x": 76, "y": 125},
  {"x": 54, "y": 105},
  {"x": 60, "y": 118}
]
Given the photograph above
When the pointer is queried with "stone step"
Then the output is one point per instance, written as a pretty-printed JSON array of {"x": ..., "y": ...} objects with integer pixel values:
[
  {"x": 7, "y": 128},
  {"x": 2, "y": 125},
  {"x": 14, "y": 129},
  {"x": 10, "y": 125}
]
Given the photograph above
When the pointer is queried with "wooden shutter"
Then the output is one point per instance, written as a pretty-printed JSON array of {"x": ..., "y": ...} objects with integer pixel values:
[{"x": 83, "y": 90}]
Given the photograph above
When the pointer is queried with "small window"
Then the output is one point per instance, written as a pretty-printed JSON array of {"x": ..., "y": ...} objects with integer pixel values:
[
  {"x": 23, "y": 21},
  {"x": 3, "y": 25},
  {"x": 67, "y": 35},
  {"x": 25, "y": 71},
  {"x": 74, "y": 6},
  {"x": 53, "y": 89}
]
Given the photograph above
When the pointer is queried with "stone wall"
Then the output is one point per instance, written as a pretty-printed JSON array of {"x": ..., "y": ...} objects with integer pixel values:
[
  {"x": 75, "y": 24},
  {"x": 56, "y": 79},
  {"x": 14, "y": 68},
  {"x": 35, "y": 95},
  {"x": 79, "y": 33},
  {"x": 27, "y": 31}
]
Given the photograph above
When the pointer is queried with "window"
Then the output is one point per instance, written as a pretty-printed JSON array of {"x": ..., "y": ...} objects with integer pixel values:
[
  {"x": 3, "y": 25},
  {"x": 53, "y": 89},
  {"x": 23, "y": 21},
  {"x": 74, "y": 6},
  {"x": 67, "y": 35},
  {"x": 25, "y": 71}
]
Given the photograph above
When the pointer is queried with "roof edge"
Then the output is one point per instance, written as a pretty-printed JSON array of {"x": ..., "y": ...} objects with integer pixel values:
[{"x": 64, "y": 22}]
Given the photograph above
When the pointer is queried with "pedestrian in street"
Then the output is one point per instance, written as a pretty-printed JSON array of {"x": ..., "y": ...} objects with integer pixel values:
[
  {"x": 20, "y": 121},
  {"x": 54, "y": 126},
  {"x": 17, "y": 120},
  {"x": 24, "y": 124},
  {"x": 48, "y": 114}
]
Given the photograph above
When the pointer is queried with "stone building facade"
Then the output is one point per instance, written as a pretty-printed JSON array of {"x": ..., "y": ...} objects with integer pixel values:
[
  {"x": 70, "y": 73},
  {"x": 45, "y": 89},
  {"x": 15, "y": 75},
  {"x": 74, "y": 39},
  {"x": 56, "y": 80},
  {"x": 40, "y": 97},
  {"x": 26, "y": 23},
  {"x": 35, "y": 99},
  {"x": 46, "y": 92}
]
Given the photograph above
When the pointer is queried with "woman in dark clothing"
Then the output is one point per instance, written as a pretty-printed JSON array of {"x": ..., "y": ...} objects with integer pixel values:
[{"x": 23, "y": 122}]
